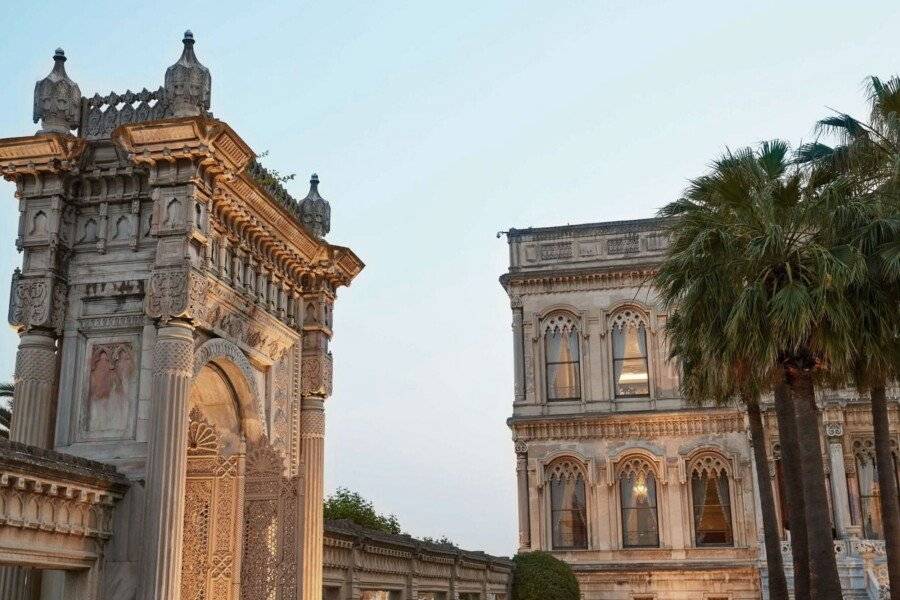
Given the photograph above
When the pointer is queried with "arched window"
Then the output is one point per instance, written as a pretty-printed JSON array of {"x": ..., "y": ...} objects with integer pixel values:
[
  {"x": 562, "y": 358},
  {"x": 711, "y": 500},
  {"x": 568, "y": 506},
  {"x": 869, "y": 489},
  {"x": 629, "y": 344},
  {"x": 637, "y": 492}
]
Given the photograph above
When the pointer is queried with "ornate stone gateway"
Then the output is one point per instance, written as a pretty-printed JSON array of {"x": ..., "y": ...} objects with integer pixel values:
[{"x": 175, "y": 309}]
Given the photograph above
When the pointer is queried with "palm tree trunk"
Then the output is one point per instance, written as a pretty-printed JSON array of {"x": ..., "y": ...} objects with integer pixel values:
[
  {"x": 790, "y": 460},
  {"x": 777, "y": 583},
  {"x": 890, "y": 498},
  {"x": 824, "y": 583}
]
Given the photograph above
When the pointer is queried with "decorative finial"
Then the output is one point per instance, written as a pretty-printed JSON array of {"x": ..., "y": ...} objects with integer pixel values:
[
  {"x": 57, "y": 99},
  {"x": 187, "y": 83},
  {"x": 315, "y": 212}
]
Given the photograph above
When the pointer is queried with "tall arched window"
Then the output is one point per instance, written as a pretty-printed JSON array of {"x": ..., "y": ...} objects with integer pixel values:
[
  {"x": 711, "y": 500},
  {"x": 568, "y": 505},
  {"x": 562, "y": 358},
  {"x": 869, "y": 489},
  {"x": 637, "y": 493},
  {"x": 629, "y": 345}
]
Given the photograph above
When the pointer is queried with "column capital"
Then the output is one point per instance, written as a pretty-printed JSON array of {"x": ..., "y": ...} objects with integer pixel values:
[{"x": 834, "y": 430}]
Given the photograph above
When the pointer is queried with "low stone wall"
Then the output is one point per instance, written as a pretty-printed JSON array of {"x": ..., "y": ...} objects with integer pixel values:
[
  {"x": 55, "y": 509},
  {"x": 361, "y": 564}
]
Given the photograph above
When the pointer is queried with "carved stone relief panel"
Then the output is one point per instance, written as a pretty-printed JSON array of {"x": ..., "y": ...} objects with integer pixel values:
[
  {"x": 36, "y": 302},
  {"x": 109, "y": 382}
]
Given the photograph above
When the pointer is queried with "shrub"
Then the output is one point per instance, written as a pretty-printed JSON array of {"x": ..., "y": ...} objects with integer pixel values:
[{"x": 541, "y": 576}]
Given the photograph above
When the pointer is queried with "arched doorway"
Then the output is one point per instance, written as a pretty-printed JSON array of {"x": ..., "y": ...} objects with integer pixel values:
[{"x": 214, "y": 489}]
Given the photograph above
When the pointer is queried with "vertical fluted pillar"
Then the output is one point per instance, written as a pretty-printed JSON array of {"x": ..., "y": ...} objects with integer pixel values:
[
  {"x": 312, "y": 452},
  {"x": 172, "y": 372},
  {"x": 33, "y": 419},
  {"x": 33, "y": 422},
  {"x": 518, "y": 354},
  {"x": 522, "y": 481}
]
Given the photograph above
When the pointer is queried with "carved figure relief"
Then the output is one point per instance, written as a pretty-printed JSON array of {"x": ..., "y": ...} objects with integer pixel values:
[{"x": 111, "y": 387}]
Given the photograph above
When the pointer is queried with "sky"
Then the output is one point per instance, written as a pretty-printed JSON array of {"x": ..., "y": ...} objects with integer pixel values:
[{"x": 434, "y": 125}]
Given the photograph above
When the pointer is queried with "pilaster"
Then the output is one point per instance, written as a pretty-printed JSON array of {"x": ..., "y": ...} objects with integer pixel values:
[
  {"x": 518, "y": 351},
  {"x": 172, "y": 373},
  {"x": 840, "y": 497},
  {"x": 522, "y": 482}
]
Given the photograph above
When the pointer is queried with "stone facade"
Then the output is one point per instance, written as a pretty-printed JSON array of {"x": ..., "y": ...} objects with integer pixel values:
[
  {"x": 645, "y": 496},
  {"x": 174, "y": 313},
  {"x": 361, "y": 564}
]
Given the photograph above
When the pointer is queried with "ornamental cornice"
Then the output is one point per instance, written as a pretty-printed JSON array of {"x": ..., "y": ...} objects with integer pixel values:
[
  {"x": 45, "y": 153},
  {"x": 626, "y": 426},
  {"x": 243, "y": 207},
  {"x": 563, "y": 280}
]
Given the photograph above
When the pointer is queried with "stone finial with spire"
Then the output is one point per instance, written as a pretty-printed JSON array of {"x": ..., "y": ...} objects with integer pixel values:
[
  {"x": 315, "y": 212},
  {"x": 57, "y": 99},
  {"x": 187, "y": 83}
]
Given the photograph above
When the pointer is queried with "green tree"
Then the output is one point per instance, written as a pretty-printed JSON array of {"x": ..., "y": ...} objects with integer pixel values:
[
  {"x": 541, "y": 576},
  {"x": 6, "y": 391},
  {"x": 751, "y": 221},
  {"x": 344, "y": 504},
  {"x": 712, "y": 372},
  {"x": 858, "y": 180}
]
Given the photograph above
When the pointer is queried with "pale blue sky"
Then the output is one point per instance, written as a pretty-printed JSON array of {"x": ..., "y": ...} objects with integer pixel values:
[{"x": 432, "y": 126}]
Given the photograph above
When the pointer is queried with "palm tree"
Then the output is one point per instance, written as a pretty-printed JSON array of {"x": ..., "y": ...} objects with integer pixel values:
[
  {"x": 859, "y": 182},
  {"x": 719, "y": 377},
  {"x": 6, "y": 391},
  {"x": 788, "y": 316}
]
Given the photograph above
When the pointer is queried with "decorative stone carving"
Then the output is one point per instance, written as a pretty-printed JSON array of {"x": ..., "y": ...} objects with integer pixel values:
[
  {"x": 521, "y": 447},
  {"x": 222, "y": 348},
  {"x": 111, "y": 387},
  {"x": 175, "y": 293},
  {"x": 316, "y": 375},
  {"x": 271, "y": 541},
  {"x": 315, "y": 212},
  {"x": 188, "y": 83},
  {"x": 834, "y": 430},
  {"x": 36, "y": 302},
  {"x": 57, "y": 99}
]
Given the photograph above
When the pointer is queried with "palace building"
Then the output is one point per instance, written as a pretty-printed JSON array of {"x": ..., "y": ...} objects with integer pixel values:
[{"x": 645, "y": 497}]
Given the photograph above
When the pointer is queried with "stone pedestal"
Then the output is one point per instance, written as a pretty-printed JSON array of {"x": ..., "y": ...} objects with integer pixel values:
[
  {"x": 312, "y": 453},
  {"x": 172, "y": 372}
]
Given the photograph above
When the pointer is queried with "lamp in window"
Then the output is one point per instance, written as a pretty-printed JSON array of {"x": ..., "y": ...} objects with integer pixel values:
[{"x": 640, "y": 489}]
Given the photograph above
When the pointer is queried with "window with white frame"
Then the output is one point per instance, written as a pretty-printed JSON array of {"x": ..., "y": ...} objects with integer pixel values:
[
  {"x": 562, "y": 357},
  {"x": 711, "y": 500},
  {"x": 568, "y": 504},
  {"x": 631, "y": 372},
  {"x": 639, "y": 507}
]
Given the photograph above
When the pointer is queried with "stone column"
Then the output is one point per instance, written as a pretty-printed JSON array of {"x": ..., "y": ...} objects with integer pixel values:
[
  {"x": 518, "y": 352},
  {"x": 524, "y": 510},
  {"x": 839, "y": 496},
  {"x": 172, "y": 372},
  {"x": 312, "y": 452},
  {"x": 33, "y": 419},
  {"x": 33, "y": 422}
]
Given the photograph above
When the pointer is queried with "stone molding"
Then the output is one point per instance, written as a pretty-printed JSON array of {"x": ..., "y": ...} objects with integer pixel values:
[
  {"x": 37, "y": 154},
  {"x": 223, "y": 348},
  {"x": 622, "y": 425}
]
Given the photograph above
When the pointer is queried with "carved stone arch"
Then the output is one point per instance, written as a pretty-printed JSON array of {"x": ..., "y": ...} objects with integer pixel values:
[
  {"x": 635, "y": 460},
  {"x": 628, "y": 314},
  {"x": 232, "y": 360},
  {"x": 566, "y": 467},
  {"x": 710, "y": 463},
  {"x": 559, "y": 307}
]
